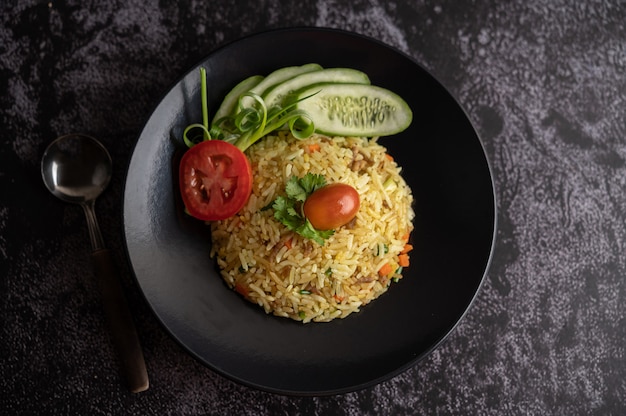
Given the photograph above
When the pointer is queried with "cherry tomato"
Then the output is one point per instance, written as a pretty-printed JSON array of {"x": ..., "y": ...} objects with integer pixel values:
[
  {"x": 332, "y": 206},
  {"x": 215, "y": 180}
]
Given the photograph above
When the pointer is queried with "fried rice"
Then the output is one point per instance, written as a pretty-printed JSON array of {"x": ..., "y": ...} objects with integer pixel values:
[{"x": 294, "y": 277}]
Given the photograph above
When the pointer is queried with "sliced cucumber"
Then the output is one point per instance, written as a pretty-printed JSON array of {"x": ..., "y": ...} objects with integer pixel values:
[
  {"x": 230, "y": 101},
  {"x": 281, "y": 75},
  {"x": 281, "y": 93},
  {"x": 354, "y": 110},
  {"x": 276, "y": 77}
]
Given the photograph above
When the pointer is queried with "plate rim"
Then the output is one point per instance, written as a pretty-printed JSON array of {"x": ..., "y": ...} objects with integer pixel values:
[{"x": 319, "y": 392}]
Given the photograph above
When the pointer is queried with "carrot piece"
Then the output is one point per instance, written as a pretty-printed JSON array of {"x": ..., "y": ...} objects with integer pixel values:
[
  {"x": 338, "y": 298},
  {"x": 405, "y": 237},
  {"x": 289, "y": 243},
  {"x": 403, "y": 260},
  {"x": 313, "y": 147},
  {"x": 241, "y": 289},
  {"x": 407, "y": 247},
  {"x": 389, "y": 157},
  {"x": 385, "y": 270}
]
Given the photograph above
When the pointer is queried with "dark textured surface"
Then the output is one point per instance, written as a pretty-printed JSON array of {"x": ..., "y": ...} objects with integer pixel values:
[{"x": 545, "y": 84}]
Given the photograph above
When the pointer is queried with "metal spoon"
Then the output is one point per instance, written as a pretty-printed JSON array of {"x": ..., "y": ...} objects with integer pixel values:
[{"x": 77, "y": 168}]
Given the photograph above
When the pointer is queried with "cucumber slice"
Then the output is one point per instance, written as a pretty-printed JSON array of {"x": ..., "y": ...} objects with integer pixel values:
[
  {"x": 281, "y": 75},
  {"x": 230, "y": 101},
  {"x": 354, "y": 110},
  {"x": 274, "y": 78},
  {"x": 281, "y": 93}
]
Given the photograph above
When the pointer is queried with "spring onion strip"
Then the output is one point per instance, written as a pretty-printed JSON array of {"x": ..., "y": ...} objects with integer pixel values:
[
  {"x": 205, "y": 106},
  {"x": 250, "y": 123},
  {"x": 198, "y": 138},
  {"x": 256, "y": 121},
  {"x": 204, "y": 127}
]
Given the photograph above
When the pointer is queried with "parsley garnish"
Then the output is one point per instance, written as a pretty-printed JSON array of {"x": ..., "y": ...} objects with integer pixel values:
[{"x": 288, "y": 209}]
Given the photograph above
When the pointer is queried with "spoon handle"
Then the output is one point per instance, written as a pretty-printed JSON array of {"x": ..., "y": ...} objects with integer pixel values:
[{"x": 123, "y": 331}]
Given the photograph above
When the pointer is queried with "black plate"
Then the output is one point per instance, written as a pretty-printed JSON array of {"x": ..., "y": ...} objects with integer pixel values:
[{"x": 445, "y": 165}]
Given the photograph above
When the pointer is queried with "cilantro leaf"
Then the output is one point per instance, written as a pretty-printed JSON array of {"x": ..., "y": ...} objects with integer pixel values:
[
  {"x": 294, "y": 190},
  {"x": 306, "y": 230},
  {"x": 285, "y": 212},
  {"x": 300, "y": 188},
  {"x": 312, "y": 183}
]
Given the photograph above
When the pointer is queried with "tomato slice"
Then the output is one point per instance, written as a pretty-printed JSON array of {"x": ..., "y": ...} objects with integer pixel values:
[{"x": 215, "y": 180}]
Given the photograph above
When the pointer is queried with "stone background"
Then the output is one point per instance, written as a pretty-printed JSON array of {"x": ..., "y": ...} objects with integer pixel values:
[{"x": 544, "y": 82}]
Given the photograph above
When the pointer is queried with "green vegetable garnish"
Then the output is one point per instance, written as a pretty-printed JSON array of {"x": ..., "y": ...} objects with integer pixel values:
[
  {"x": 340, "y": 101},
  {"x": 288, "y": 208},
  {"x": 250, "y": 122}
]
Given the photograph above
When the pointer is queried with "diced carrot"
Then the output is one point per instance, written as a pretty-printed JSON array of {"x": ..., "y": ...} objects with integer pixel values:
[
  {"x": 313, "y": 147},
  {"x": 338, "y": 298},
  {"x": 403, "y": 260},
  {"x": 389, "y": 157},
  {"x": 241, "y": 289},
  {"x": 407, "y": 247},
  {"x": 385, "y": 270},
  {"x": 289, "y": 243},
  {"x": 405, "y": 237}
]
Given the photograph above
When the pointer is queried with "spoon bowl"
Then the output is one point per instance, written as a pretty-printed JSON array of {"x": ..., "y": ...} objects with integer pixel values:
[{"x": 76, "y": 168}]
